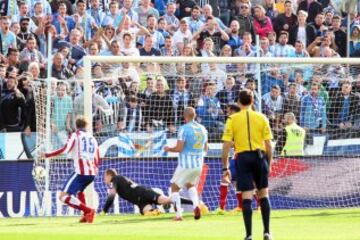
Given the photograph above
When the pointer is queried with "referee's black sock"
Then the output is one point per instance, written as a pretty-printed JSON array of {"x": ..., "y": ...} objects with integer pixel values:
[
  {"x": 265, "y": 213},
  {"x": 247, "y": 215}
]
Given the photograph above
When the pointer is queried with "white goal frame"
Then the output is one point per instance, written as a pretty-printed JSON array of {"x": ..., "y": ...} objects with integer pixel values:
[{"x": 166, "y": 60}]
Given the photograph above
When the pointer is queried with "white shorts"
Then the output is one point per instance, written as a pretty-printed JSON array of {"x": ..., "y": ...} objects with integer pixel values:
[{"x": 182, "y": 176}]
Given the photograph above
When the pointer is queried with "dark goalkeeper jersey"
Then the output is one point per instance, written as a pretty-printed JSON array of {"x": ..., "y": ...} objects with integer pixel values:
[
  {"x": 130, "y": 191},
  {"x": 125, "y": 188}
]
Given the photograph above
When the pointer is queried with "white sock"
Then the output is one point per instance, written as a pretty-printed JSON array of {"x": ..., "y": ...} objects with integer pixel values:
[
  {"x": 74, "y": 200},
  {"x": 71, "y": 199},
  {"x": 175, "y": 197},
  {"x": 194, "y": 196}
]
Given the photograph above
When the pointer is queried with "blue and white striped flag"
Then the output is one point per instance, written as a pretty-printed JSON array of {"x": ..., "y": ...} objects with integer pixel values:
[
  {"x": 135, "y": 145},
  {"x": 152, "y": 145},
  {"x": 125, "y": 146}
]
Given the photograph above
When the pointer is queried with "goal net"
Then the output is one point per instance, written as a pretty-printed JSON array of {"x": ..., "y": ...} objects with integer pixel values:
[{"x": 136, "y": 107}]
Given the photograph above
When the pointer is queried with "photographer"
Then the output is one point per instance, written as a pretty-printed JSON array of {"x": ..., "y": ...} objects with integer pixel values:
[
  {"x": 323, "y": 46},
  {"x": 13, "y": 115}
]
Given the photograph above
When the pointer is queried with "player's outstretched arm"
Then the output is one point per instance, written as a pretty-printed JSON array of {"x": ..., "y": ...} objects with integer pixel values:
[
  {"x": 109, "y": 201},
  {"x": 65, "y": 149}
]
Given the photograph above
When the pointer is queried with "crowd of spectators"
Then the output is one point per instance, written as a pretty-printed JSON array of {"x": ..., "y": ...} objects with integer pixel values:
[{"x": 147, "y": 97}]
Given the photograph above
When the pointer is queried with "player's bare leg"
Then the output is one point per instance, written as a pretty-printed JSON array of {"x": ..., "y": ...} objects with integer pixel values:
[
  {"x": 175, "y": 197},
  {"x": 163, "y": 200},
  {"x": 265, "y": 208},
  {"x": 73, "y": 202},
  {"x": 257, "y": 199},
  {"x": 195, "y": 199}
]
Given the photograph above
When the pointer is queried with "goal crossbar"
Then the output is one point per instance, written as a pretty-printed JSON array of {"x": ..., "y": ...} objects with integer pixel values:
[{"x": 255, "y": 60}]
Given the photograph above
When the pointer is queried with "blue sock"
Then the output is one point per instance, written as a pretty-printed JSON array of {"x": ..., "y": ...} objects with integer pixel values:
[
  {"x": 265, "y": 213},
  {"x": 247, "y": 215}
]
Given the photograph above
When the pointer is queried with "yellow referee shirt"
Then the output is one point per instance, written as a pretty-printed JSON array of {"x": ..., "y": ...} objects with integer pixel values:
[{"x": 248, "y": 130}]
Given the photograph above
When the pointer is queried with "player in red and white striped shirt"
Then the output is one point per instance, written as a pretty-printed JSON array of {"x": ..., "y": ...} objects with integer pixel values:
[{"x": 82, "y": 147}]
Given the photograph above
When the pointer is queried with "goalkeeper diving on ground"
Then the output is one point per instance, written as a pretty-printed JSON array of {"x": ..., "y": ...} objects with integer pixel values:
[{"x": 143, "y": 197}]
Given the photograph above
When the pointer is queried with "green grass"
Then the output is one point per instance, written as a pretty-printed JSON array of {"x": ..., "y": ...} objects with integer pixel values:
[{"x": 319, "y": 224}]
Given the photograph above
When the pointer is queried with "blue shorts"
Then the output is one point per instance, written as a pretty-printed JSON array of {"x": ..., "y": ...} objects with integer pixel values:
[
  {"x": 77, "y": 183},
  {"x": 233, "y": 170},
  {"x": 251, "y": 170}
]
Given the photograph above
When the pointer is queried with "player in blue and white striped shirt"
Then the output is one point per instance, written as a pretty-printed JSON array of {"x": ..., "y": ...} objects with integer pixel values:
[{"x": 191, "y": 146}]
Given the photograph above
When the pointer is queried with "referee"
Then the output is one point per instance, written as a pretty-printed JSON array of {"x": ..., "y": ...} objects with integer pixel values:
[{"x": 251, "y": 134}]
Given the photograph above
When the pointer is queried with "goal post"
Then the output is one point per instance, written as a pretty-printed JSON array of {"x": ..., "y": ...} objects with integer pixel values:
[
  {"x": 90, "y": 190},
  {"x": 132, "y": 125},
  {"x": 48, "y": 111},
  {"x": 87, "y": 90}
]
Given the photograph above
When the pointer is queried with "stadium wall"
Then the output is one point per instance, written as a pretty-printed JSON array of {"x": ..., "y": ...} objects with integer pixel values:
[{"x": 295, "y": 183}]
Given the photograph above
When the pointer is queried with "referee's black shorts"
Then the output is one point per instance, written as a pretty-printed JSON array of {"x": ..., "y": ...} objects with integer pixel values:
[{"x": 251, "y": 169}]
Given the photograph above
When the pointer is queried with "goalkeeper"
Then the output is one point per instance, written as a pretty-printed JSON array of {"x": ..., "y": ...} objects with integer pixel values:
[{"x": 145, "y": 198}]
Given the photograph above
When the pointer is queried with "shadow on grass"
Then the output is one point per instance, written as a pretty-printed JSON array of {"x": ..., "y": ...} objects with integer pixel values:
[
  {"x": 20, "y": 224},
  {"x": 319, "y": 214},
  {"x": 137, "y": 220},
  {"x": 165, "y": 218}
]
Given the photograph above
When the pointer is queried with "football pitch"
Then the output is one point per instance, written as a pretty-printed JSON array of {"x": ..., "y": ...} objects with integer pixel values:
[{"x": 318, "y": 224}]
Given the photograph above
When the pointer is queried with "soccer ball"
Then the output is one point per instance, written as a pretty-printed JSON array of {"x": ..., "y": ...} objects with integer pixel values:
[{"x": 39, "y": 173}]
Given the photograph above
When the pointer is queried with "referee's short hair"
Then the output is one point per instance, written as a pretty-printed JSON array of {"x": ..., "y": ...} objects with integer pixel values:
[
  {"x": 111, "y": 171},
  {"x": 233, "y": 107},
  {"x": 245, "y": 97}
]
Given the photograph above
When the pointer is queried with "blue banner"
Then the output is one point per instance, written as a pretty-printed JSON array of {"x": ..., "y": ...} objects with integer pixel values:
[
  {"x": 16, "y": 185},
  {"x": 317, "y": 182}
]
